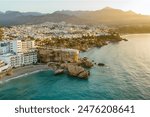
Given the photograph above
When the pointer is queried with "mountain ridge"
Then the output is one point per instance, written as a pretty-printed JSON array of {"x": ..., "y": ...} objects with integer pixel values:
[{"x": 107, "y": 15}]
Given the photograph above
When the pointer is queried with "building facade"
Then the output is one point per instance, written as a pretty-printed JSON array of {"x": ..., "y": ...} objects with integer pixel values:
[{"x": 18, "y": 52}]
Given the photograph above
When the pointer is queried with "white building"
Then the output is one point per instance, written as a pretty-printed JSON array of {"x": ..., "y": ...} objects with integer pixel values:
[
  {"x": 29, "y": 58},
  {"x": 18, "y": 52},
  {"x": 16, "y": 46},
  {"x": 11, "y": 59},
  {"x": 20, "y": 59},
  {"x": 19, "y": 46}
]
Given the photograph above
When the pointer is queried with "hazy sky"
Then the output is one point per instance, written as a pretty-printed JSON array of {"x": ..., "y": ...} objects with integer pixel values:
[{"x": 48, "y": 6}]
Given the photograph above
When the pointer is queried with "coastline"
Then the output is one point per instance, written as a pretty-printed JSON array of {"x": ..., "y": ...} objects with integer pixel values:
[
  {"x": 26, "y": 70},
  {"x": 135, "y": 34},
  {"x": 31, "y": 69},
  {"x": 127, "y": 34}
]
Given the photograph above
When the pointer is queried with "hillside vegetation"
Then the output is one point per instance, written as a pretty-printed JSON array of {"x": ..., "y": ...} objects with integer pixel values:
[
  {"x": 134, "y": 29},
  {"x": 1, "y": 33}
]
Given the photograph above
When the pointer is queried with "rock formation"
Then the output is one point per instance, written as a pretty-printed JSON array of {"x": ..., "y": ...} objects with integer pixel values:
[
  {"x": 101, "y": 64},
  {"x": 85, "y": 63},
  {"x": 46, "y": 55},
  {"x": 77, "y": 71}
]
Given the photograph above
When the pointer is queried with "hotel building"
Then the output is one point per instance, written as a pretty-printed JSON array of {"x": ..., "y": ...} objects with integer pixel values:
[{"x": 18, "y": 52}]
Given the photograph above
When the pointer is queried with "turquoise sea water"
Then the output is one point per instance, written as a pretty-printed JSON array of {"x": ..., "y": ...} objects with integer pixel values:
[{"x": 126, "y": 76}]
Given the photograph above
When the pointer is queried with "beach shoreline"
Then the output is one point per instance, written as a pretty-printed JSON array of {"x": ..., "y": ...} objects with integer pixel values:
[{"x": 25, "y": 70}]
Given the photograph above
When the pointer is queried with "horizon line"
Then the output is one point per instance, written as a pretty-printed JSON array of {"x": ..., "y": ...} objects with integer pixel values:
[{"x": 50, "y": 12}]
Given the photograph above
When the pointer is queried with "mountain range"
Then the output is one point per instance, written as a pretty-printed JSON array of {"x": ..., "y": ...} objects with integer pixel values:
[{"x": 108, "y": 16}]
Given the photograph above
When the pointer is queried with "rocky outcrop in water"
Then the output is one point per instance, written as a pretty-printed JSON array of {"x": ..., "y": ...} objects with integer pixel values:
[
  {"x": 101, "y": 64},
  {"x": 125, "y": 39},
  {"x": 66, "y": 61},
  {"x": 78, "y": 71},
  {"x": 72, "y": 69},
  {"x": 85, "y": 62}
]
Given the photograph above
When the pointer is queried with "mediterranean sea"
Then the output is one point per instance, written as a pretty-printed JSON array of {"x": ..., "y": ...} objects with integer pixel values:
[{"x": 126, "y": 76}]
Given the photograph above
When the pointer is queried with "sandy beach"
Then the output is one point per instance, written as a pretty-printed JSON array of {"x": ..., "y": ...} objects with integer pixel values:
[{"x": 26, "y": 70}]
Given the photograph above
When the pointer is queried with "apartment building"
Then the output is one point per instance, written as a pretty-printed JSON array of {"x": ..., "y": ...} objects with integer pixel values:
[
  {"x": 27, "y": 45},
  {"x": 29, "y": 58},
  {"x": 18, "y": 52},
  {"x": 19, "y": 46},
  {"x": 12, "y": 59},
  {"x": 16, "y": 46},
  {"x": 20, "y": 59}
]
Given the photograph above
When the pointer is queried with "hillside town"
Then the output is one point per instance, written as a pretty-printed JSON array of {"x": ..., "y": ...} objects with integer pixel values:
[
  {"x": 51, "y": 30},
  {"x": 55, "y": 44}
]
